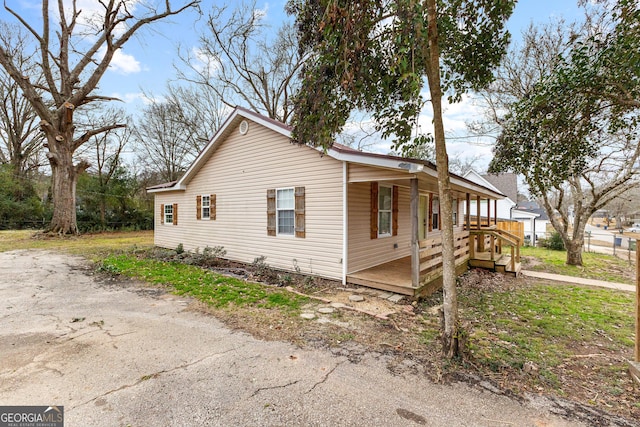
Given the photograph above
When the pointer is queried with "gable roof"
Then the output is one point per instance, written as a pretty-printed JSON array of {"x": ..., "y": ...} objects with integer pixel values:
[
  {"x": 494, "y": 182},
  {"x": 337, "y": 151},
  {"x": 507, "y": 183},
  {"x": 533, "y": 207}
]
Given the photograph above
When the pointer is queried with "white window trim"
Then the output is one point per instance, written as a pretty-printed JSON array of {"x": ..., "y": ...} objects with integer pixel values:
[
  {"x": 166, "y": 221},
  {"x": 203, "y": 207},
  {"x": 390, "y": 210},
  {"x": 293, "y": 190}
]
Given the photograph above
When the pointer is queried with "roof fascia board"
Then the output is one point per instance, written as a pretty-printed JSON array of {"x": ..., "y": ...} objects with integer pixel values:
[
  {"x": 376, "y": 161},
  {"x": 168, "y": 189},
  {"x": 524, "y": 213}
]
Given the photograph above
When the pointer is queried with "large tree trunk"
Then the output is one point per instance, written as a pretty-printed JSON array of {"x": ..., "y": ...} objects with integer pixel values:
[
  {"x": 64, "y": 176},
  {"x": 574, "y": 246},
  {"x": 450, "y": 341},
  {"x": 574, "y": 251},
  {"x": 63, "y": 186}
]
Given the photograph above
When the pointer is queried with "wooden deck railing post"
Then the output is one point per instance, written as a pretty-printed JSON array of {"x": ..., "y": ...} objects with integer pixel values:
[
  {"x": 493, "y": 247},
  {"x": 513, "y": 260},
  {"x": 472, "y": 245}
]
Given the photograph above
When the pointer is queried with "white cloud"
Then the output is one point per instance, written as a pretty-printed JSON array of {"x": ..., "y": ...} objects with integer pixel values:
[
  {"x": 260, "y": 14},
  {"x": 131, "y": 97},
  {"x": 203, "y": 63},
  {"x": 122, "y": 63}
]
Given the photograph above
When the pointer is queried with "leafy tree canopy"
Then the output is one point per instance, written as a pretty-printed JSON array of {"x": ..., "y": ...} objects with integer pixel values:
[
  {"x": 373, "y": 56},
  {"x": 588, "y": 103}
]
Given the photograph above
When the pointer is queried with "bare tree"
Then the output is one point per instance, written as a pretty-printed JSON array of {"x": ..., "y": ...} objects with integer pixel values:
[
  {"x": 165, "y": 144},
  {"x": 20, "y": 137},
  {"x": 105, "y": 150},
  {"x": 72, "y": 64},
  {"x": 199, "y": 110},
  {"x": 242, "y": 63}
]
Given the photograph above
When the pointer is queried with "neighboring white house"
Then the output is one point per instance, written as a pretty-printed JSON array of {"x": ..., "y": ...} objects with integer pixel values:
[
  {"x": 343, "y": 214},
  {"x": 535, "y": 220},
  {"x": 503, "y": 183}
]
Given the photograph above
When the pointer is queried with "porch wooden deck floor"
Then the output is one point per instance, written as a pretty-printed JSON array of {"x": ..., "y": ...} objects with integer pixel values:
[{"x": 394, "y": 276}]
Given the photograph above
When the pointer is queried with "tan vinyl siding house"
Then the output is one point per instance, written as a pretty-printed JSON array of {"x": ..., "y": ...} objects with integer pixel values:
[
  {"x": 240, "y": 172},
  {"x": 336, "y": 214}
]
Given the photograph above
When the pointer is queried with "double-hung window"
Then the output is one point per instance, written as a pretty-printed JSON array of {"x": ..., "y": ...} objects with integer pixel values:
[
  {"x": 168, "y": 213},
  {"x": 206, "y": 207},
  {"x": 385, "y": 209},
  {"x": 285, "y": 211}
]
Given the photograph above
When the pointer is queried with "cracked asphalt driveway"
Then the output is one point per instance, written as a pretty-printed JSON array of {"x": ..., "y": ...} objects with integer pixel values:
[{"x": 126, "y": 356}]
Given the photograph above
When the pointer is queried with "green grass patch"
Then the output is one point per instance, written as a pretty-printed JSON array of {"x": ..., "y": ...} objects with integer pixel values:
[
  {"x": 545, "y": 324},
  {"x": 209, "y": 287},
  {"x": 90, "y": 245},
  {"x": 595, "y": 266}
]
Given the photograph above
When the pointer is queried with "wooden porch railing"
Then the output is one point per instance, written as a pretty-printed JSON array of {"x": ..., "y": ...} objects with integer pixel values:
[
  {"x": 431, "y": 254},
  {"x": 478, "y": 240}
]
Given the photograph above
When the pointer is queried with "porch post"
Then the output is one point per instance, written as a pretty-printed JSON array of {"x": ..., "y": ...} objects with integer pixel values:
[
  {"x": 495, "y": 212},
  {"x": 468, "y": 210},
  {"x": 478, "y": 223},
  {"x": 415, "y": 245},
  {"x": 488, "y": 212}
]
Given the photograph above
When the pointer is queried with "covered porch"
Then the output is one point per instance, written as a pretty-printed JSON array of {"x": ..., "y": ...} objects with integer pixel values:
[{"x": 476, "y": 238}]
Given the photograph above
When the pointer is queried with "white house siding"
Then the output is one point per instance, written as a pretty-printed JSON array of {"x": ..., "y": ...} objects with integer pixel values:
[
  {"x": 365, "y": 252},
  {"x": 239, "y": 173}
]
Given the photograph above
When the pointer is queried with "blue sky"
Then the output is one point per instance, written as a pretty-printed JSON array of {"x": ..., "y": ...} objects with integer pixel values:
[{"x": 147, "y": 61}]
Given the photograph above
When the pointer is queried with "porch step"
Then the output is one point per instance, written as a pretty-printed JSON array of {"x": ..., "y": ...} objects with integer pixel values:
[{"x": 501, "y": 265}]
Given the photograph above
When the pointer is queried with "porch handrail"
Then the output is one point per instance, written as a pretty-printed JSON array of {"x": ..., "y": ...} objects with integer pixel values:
[{"x": 502, "y": 236}]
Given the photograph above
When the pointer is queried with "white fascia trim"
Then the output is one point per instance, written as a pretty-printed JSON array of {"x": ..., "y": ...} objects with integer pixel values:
[
  {"x": 376, "y": 161},
  {"x": 524, "y": 214},
  {"x": 477, "y": 188},
  {"x": 168, "y": 189}
]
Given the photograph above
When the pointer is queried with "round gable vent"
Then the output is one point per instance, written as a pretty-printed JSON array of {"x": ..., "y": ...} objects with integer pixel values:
[{"x": 244, "y": 127}]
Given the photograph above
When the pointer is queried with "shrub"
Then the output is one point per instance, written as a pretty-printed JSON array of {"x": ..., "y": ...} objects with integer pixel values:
[
  {"x": 554, "y": 242},
  {"x": 263, "y": 271}
]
